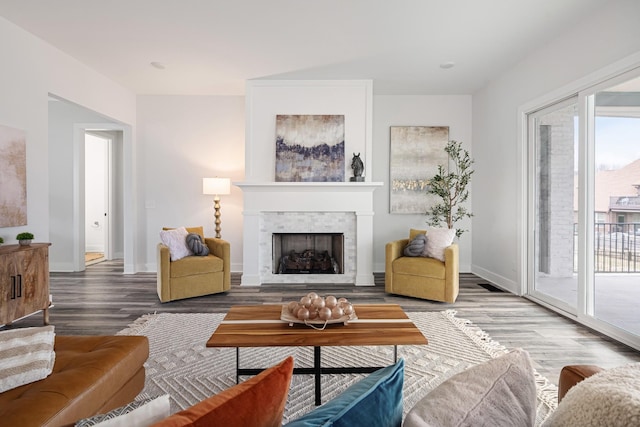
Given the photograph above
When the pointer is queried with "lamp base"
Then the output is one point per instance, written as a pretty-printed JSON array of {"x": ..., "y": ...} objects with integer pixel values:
[{"x": 216, "y": 207}]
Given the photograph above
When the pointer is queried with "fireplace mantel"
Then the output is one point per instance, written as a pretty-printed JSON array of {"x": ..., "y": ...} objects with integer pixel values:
[
  {"x": 264, "y": 199},
  {"x": 308, "y": 186}
]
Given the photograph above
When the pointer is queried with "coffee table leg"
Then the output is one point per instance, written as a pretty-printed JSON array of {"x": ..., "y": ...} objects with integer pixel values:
[
  {"x": 318, "y": 372},
  {"x": 237, "y": 365}
]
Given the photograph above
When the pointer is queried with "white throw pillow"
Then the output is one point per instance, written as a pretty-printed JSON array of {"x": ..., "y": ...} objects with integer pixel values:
[
  {"x": 437, "y": 241},
  {"x": 139, "y": 413},
  {"x": 608, "y": 398},
  {"x": 26, "y": 355},
  {"x": 176, "y": 240},
  {"x": 499, "y": 392}
]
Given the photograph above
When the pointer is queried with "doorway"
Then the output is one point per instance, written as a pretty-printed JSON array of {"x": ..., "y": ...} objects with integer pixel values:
[{"x": 97, "y": 155}]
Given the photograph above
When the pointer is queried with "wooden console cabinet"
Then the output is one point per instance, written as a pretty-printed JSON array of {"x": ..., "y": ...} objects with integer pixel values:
[{"x": 24, "y": 281}]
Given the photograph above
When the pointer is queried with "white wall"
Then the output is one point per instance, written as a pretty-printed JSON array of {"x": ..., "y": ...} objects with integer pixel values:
[
  {"x": 453, "y": 111},
  {"x": 31, "y": 69},
  {"x": 182, "y": 139},
  {"x": 594, "y": 43},
  {"x": 268, "y": 98},
  {"x": 62, "y": 117}
]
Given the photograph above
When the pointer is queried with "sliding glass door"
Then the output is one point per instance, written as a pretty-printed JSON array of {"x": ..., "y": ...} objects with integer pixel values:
[
  {"x": 584, "y": 206},
  {"x": 616, "y": 208},
  {"x": 553, "y": 133}
]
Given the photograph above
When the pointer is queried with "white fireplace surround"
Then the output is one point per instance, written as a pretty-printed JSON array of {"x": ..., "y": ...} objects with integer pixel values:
[{"x": 308, "y": 207}]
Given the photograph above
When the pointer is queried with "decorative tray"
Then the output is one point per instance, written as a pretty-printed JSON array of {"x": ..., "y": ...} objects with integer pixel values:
[{"x": 288, "y": 317}]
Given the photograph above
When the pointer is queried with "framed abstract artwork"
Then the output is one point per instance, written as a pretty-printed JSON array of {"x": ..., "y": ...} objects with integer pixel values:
[
  {"x": 310, "y": 148},
  {"x": 415, "y": 153},
  {"x": 13, "y": 177}
]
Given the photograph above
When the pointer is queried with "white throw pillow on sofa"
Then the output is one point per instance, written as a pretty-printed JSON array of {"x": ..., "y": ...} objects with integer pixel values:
[
  {"x": 437, "y": 241},
  {"x": 176, "y": 240},
  {"x": 499, "y": 392}
]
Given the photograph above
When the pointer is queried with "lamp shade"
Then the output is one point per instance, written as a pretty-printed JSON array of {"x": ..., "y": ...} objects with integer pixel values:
[{"x": 216, "y": 186}]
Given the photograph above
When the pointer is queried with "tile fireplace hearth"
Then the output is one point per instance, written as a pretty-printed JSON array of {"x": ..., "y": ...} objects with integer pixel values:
[{"x": 303, "y": 207}]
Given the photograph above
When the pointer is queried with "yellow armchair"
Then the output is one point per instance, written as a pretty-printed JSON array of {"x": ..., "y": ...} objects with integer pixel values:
[
  {"x": 421, "y": 277},
  {"x": 194, "y": 276}
]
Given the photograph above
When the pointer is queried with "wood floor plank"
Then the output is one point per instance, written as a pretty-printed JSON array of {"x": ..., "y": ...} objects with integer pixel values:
[{"x": 102, "y": 301}]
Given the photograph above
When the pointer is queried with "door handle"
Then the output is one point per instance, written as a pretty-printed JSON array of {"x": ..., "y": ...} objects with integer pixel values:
[
  {"x": 19, "y": 285},
  {"x": 13, "y": 287}
]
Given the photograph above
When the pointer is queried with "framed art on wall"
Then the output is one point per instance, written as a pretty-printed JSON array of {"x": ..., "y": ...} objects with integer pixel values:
[
  {"x": 415, "y": 153},
  {"x": 310, "y": 148},
  {"x": 13, "y": 177}
]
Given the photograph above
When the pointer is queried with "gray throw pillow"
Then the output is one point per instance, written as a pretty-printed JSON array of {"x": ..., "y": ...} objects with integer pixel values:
[
  {"x": 416, "y": 246},
  {"x": 194, "y": 242},
  {"x": 499, "y": 392}
]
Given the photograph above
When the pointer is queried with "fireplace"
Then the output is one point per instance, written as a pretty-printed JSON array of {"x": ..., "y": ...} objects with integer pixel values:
[
  {"x": 307, "y": 253},
  {"x": 301, "y": 208}
]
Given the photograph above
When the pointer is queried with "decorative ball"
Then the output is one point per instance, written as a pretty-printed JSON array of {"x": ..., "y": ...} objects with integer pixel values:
[
  {"x": 337, "y": 313},
  {"x": 313, "y": 314},
  {"x": 347, "y": 309},
  {"x": 312, "y": 295},
  {"x": 324, "y": 313},
  {"x": 303, "y": 313},
  {"x": 318, "y": 303},
  {"x": 306, "y": 301},
  {"x": 293, "y": 307},
  {"x": 331, "y": 301}
]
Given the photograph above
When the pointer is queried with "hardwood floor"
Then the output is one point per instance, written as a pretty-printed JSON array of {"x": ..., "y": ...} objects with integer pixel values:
[{"x": 102, "y": 301}]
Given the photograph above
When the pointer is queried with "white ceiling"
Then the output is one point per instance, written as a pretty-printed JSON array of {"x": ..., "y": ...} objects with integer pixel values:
[{"x": 211, "y": 47}]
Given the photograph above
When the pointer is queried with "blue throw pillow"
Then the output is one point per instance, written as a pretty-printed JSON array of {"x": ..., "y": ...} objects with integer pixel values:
[{"x": 373, "y": 401}]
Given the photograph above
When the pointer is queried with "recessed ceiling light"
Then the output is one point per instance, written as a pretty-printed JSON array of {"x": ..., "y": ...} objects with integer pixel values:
[
  {"x": 158, "y": 65},
  {"x": 447, "y": 65}
]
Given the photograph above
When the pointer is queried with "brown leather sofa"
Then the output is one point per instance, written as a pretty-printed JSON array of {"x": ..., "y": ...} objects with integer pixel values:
[
  {"x": 91, "y": 375},
  {"x": 572, "y": 374}
]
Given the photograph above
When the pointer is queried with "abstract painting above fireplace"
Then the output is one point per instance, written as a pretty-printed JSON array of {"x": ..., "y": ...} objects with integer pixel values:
[{"x": 310, "y": 148}]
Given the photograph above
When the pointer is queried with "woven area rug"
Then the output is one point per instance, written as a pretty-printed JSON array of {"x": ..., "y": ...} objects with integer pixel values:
[{"x": 181, "y": 366}]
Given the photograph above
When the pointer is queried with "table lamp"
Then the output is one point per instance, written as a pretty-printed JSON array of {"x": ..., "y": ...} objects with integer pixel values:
[{"x": 217, "y": 187}]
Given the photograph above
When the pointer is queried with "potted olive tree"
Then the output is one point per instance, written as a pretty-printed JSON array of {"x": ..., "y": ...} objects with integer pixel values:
[
  {"x": 450, "y": 185},
  {"x": 24, "y": 238}
]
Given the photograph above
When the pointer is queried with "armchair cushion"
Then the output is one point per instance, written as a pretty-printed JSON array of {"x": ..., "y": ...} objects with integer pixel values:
[
  {"x": 422, "y": 267},
  {"x": 193, "y": 265}
]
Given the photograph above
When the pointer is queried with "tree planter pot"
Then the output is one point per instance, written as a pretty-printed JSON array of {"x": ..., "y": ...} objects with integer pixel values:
[{"x": 24, "y": 242}]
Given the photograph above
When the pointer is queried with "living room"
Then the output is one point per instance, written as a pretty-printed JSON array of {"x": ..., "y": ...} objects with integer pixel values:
[{"x": 172, "y": 140}]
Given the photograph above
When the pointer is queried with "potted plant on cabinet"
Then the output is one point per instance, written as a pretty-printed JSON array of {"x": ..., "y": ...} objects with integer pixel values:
[
  {"x": 450, "y": 185},
  {"x": 24, "y": 238},
  {"x": 1, "y": 241}
]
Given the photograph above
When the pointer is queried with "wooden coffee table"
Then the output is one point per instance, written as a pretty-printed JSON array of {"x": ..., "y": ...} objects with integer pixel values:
[{"x": 260, "y": 326}]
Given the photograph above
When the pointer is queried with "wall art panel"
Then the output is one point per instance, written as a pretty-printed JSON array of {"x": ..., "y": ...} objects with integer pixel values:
[
  {"x": 13, "y": 177},
  {"x": 310, "y": 148},
  {"x": 416, "y": 152}
]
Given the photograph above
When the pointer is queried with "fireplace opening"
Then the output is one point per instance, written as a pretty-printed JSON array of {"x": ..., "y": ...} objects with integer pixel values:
[{"x": 308, "y": 253}]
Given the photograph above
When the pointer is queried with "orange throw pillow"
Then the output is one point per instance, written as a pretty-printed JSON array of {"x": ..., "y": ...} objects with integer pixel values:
[{"x": 257, "y": 402}]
